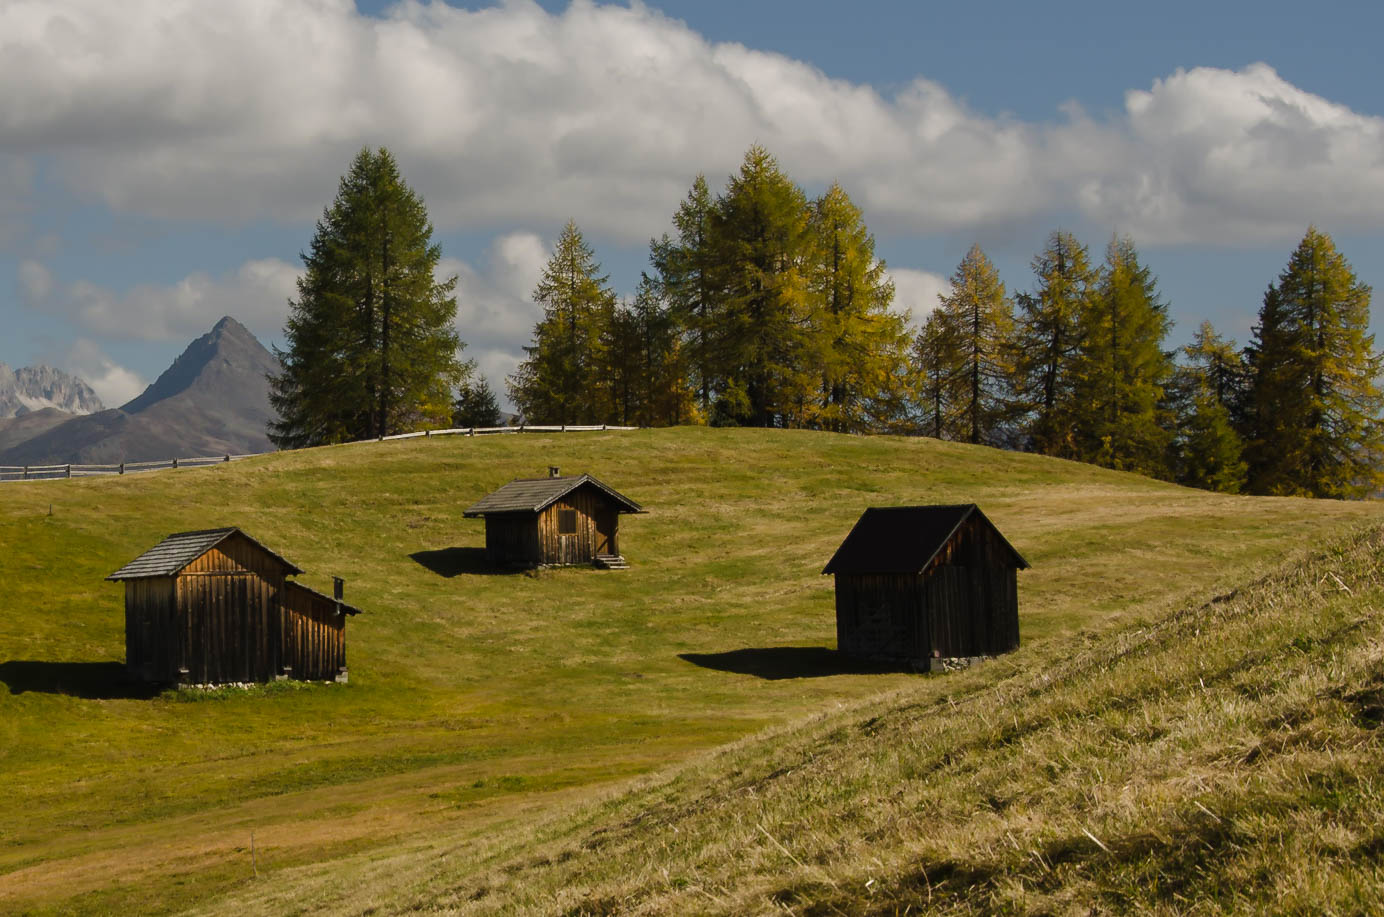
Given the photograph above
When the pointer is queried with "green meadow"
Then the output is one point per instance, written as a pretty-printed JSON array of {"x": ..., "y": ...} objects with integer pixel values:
[{"x": 492, "y": 720}]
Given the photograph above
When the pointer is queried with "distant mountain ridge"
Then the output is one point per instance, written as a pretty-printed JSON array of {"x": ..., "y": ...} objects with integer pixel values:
[
  {"x": 34, "y": 388},
  {"x": 213, "y": 400}
]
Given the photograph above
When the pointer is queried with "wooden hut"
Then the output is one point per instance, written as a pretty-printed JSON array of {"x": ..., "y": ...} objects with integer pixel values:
[
  {"x": 571, "y": 519},
  {"x": 216, "y": 606},
  {"x": 918, "y": 583}
]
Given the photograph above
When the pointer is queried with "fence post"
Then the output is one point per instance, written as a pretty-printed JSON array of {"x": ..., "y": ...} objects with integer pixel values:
[
  {"x": 175, "y": 463},
  {"x": 427, "y": 433},
  {"x": 26, "y": 472},
  {"x": 69, "y": 469},
  {"x": 122, "y": 467},
  {"x": 226, "y": 459}
]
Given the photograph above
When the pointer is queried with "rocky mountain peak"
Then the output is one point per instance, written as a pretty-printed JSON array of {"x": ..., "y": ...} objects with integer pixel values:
[{"x": 33, "y": 388}]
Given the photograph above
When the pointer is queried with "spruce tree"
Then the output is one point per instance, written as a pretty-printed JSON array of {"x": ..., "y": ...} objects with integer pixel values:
[
  {"x": 1314, "y": 399},
  {"x": 938, "y": 372},
  {"x": 687, "y": 277},
  {"x": 559, "y": 382},
  {"x": 759, "y": 236},
  {"x": 1048, "y": 340},
  {"x": 371, "y": 347},
  {"x": 475, "y": 405},
  {"x": 1121, "y": 368},
  {"x": 982, "y": 318},
  {"x": 1207, "y": 451}
]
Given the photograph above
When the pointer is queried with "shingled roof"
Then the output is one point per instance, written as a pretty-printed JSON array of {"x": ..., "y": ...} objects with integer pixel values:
[
  {"x": 178, "y": 550},
  {"x": 533, "y": 495},
  {"x": 904, "y": 539}
]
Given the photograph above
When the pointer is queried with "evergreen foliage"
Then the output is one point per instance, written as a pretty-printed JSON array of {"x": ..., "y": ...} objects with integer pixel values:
[
  {"x": 561, "y": 380},
  {"x": 1314, "y": 399},
  {"x": 1121, "y": 368},
  {"x": 1207, "y": 450},
  {"x": 475, "y": 405},
  {"x": 371, "y": 345},
  {"x": 938, "y": 377},
  {"x": 686, "y": 272},
  {"x": 858, "y": 343},
  {"x": 1048, "y": 341},
  {"x": 978, "y": 352}
]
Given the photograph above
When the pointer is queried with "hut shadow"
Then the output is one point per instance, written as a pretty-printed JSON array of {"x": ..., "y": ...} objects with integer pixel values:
[
  {"x": 450, "y": 562},
  {"x": 778, "y": 662},
  {"x": 88, "y": 680}
]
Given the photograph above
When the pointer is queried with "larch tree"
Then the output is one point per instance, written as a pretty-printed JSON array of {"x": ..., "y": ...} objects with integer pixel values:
[
  {"x": 1121, "y": 369},
  {"x": 856, "y": 341},
  {"x": 1048, "y": 340},
  {"x": 558, "y": 382},
  {"x": 371, "y": 344},
  {"x": 981, "y": 318},
  {"x": 1314, "y": 399}
]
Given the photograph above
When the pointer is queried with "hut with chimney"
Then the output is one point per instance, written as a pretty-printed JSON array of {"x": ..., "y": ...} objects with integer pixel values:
[
  {"x": 922, "y": 583},
  {"x": 217, "y": 607},
  {"x": 557, "y": 520}
]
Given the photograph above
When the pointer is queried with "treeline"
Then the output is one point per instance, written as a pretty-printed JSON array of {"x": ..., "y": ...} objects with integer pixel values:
[
  {"x": 765, "y": 307},
  {"x": 768, "y": 308}
]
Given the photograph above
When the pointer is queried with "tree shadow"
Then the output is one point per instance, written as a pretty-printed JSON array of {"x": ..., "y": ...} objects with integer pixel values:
[
  {"x": 89, "y": 680},
  {"x": 450, "y": 562},
  {"x": 777, "y": 662}
]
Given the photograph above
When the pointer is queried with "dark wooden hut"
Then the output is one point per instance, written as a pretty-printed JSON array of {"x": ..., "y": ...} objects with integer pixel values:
[
  {"x": 571, "y": 519},
  {"x": 216, "y": 606},
  {"x": 919, "y": 583}
]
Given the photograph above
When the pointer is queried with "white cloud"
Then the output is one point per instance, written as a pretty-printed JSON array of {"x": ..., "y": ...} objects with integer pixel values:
[
  {"x": 113, "y": 384},
  {"x": 256, "y": 294},
  {"x": 512, "y": 116},
  {"x": 35, "y": 282},
  {"x": 495, "y": 314},
  {"x": 917, "y": 291}
]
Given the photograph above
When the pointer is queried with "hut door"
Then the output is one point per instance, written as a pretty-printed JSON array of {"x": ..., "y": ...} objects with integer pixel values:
[
  {"x": 605, "y": 532},
  {"x": 567, "y": 549}
]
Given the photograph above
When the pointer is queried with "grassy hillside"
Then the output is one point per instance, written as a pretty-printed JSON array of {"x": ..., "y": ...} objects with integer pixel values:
[{"x": 479, "y": 703}]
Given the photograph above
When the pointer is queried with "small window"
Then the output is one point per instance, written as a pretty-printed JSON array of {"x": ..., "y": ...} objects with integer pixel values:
[{"x": 567, "y": 522}]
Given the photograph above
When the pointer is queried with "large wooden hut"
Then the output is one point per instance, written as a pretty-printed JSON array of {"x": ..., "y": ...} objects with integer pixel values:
[
  {"x": 572, "y": 519},
  {"x": 918, "y": 583},
  {"x": 216, "y": 606}
]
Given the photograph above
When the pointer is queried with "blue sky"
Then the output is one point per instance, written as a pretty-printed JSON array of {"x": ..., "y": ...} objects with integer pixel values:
[{"x": 165, "y": 160}]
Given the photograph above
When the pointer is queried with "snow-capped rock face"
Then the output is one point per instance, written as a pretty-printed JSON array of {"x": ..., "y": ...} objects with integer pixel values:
[{"x": 33, "y": 388}]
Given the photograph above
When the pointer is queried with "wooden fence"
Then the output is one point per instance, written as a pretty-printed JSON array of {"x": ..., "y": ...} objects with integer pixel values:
[{"x": 49, "y": 472}]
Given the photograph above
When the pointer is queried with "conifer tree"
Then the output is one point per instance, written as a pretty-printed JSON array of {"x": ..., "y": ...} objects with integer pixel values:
[
  {"x": 1207, "y": 450},
  {"x": 475, "y": 405},
  {"x": 558, "y": 381},
  {"x": 759, "y": 232},
  {"x": 1048, "y": 340},
  {"x": 938, "y": 370},
  {"x": 1314, "y": 399},
  {"x": 857, "y": 342},
  {"x": 372, "y": 348},
  {"x": 981, "y": 317},
  {"x": 1121, "y": 368},
  {"x": 687, "y": 276}
]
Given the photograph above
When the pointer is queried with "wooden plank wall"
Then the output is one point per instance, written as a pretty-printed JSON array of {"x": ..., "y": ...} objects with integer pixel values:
[
  {"x": 965, "y": 605},
  {"x": 237, "y": 554},
  {"x": 230, "y": 624},
  {"x": 314, "y": 635},
  {"x": 152, "y": 648},
  {"x": 581, "y": 547},
  {"x": 511, "y": 538}
]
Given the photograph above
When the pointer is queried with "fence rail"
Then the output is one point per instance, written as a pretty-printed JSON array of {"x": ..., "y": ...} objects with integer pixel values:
[{"x": 50, "y": 472}]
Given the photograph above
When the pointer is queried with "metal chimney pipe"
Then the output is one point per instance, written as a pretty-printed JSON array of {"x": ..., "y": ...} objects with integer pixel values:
[
  {"x": 338, "y": 587},
  {"x": 552, "y": 471}
]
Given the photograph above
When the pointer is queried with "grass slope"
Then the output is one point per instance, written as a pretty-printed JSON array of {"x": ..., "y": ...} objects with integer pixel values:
[{"x": 480, "y": 702}]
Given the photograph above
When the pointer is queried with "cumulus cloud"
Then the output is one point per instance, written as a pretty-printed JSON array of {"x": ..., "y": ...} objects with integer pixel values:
[
  {"x": 256, "y": 294},
  {"x": 511, "y": 116},
  {"x": 495, "y": 312},
  {"x": 917, "y": 291},
  {"x": 113, "y": 383}
]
